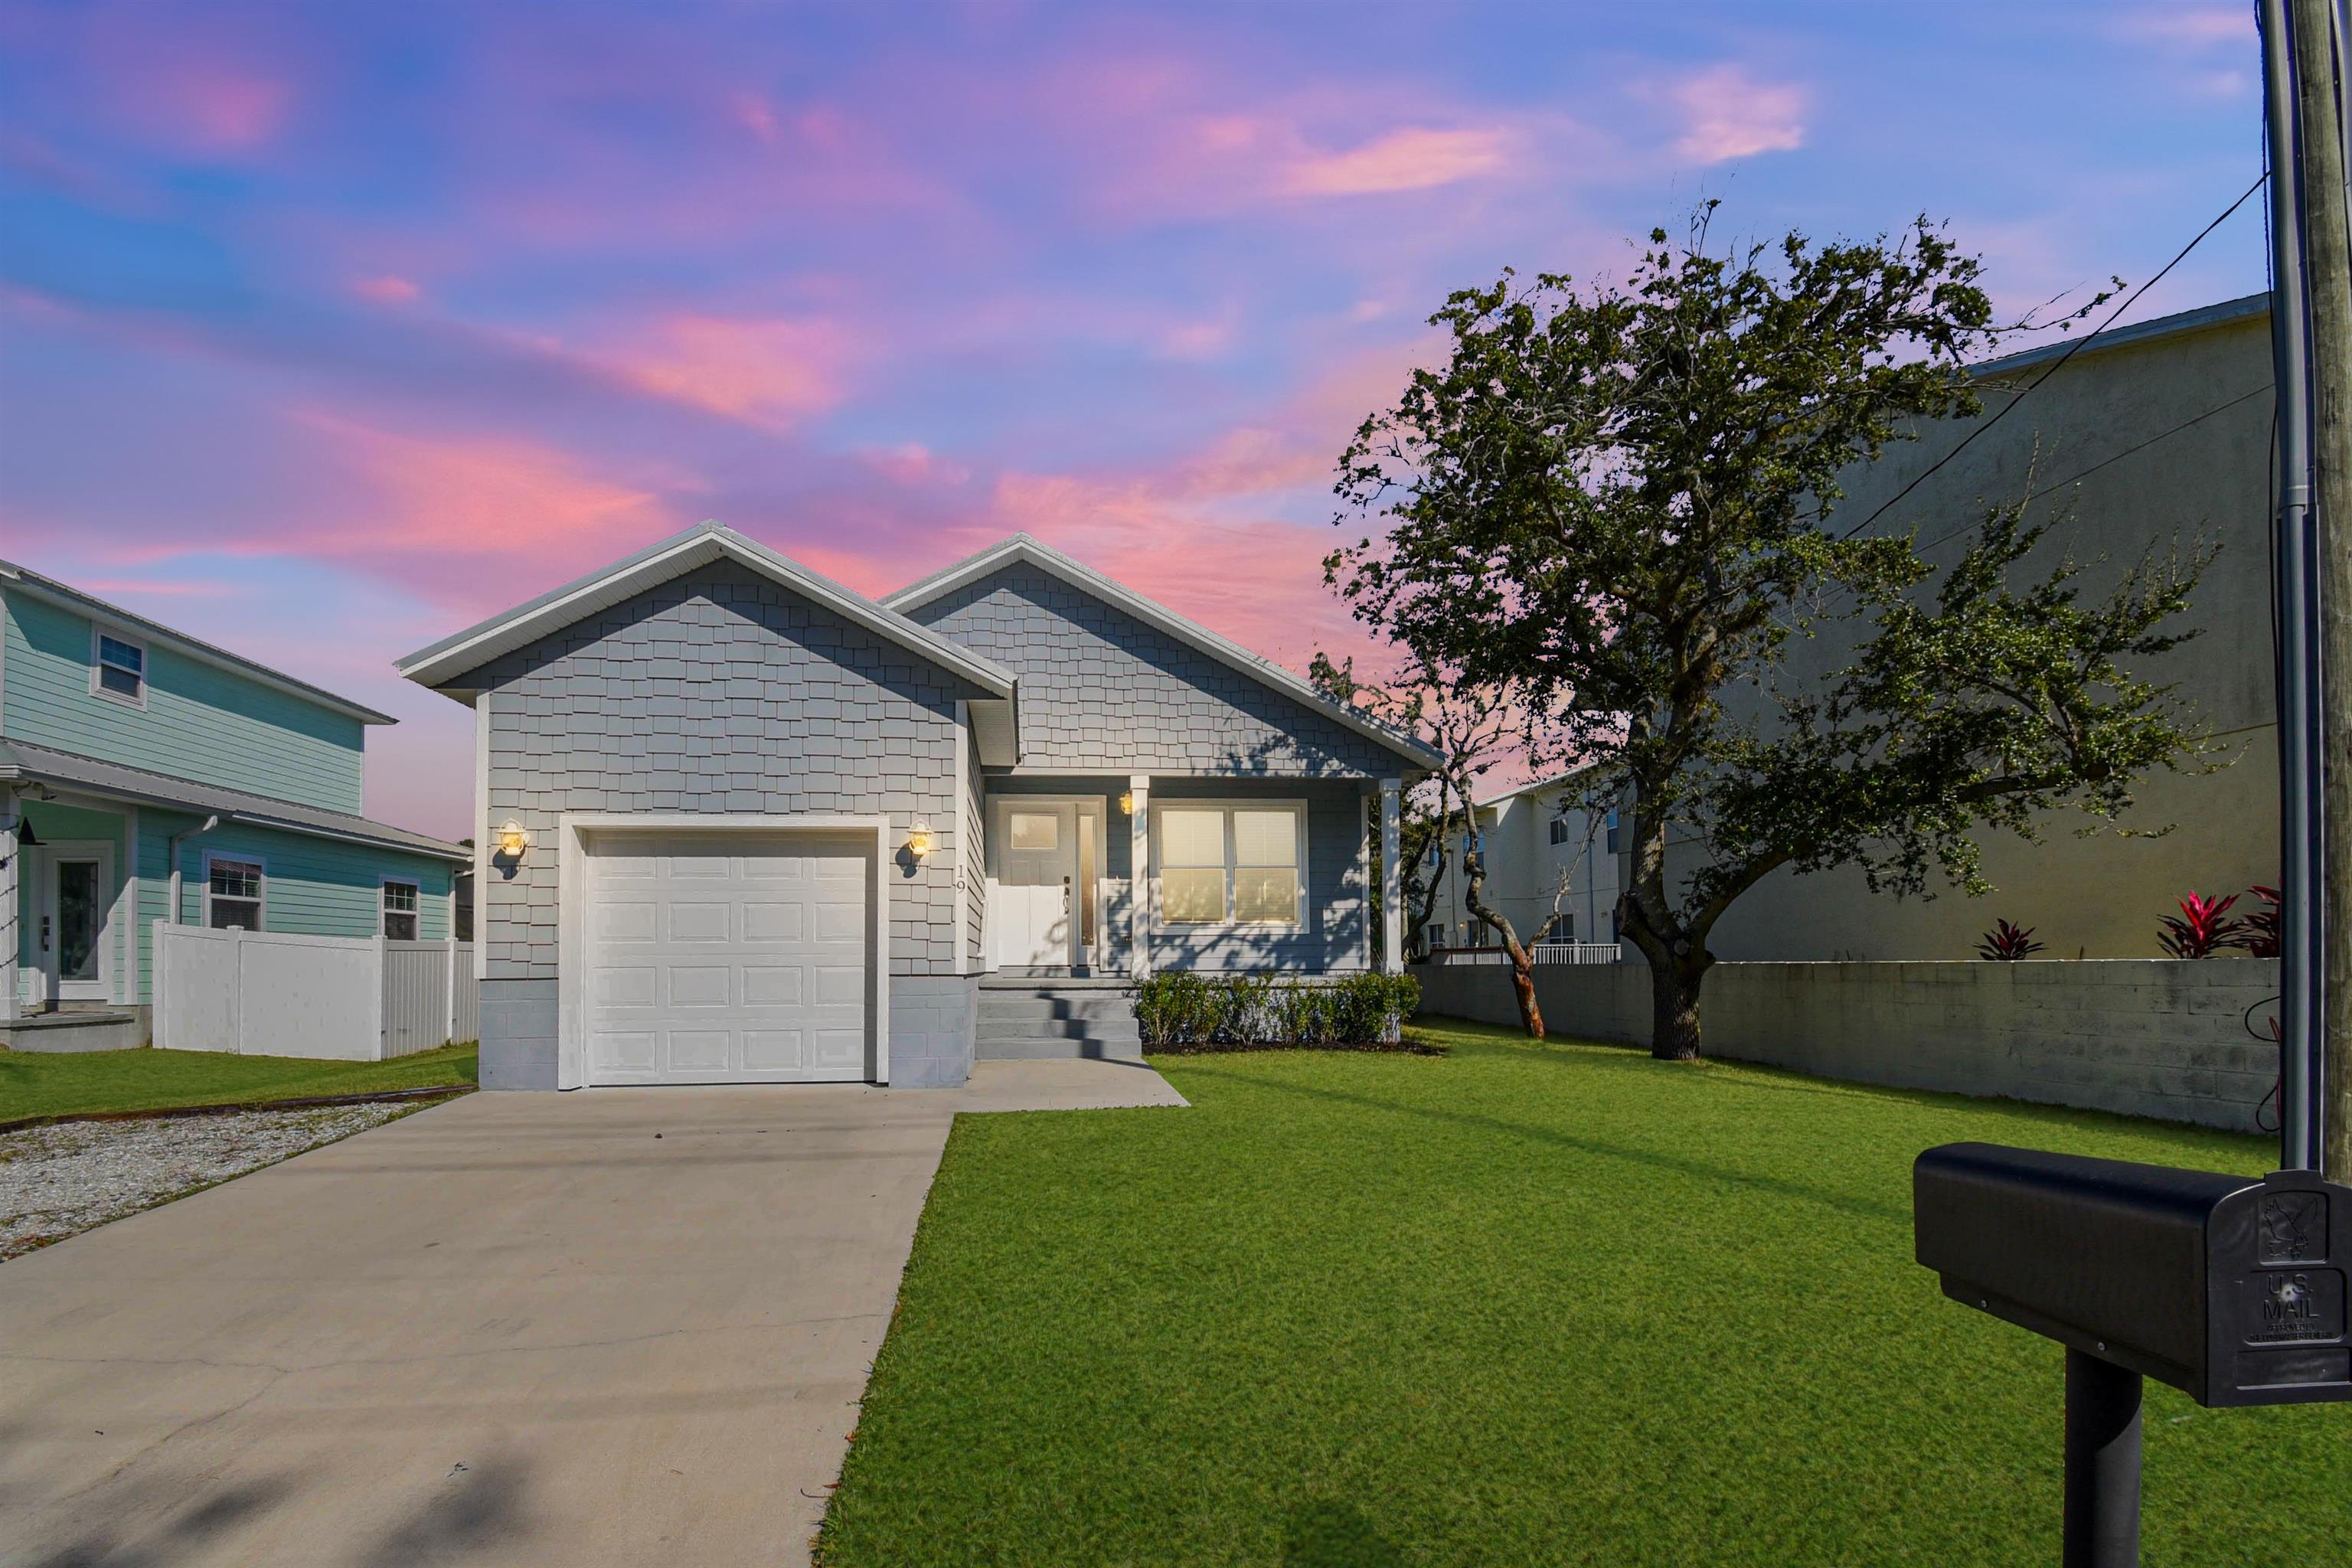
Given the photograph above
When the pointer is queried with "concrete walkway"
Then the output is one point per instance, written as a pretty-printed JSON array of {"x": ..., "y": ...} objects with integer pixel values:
[{"x": 626, "y": 1326}]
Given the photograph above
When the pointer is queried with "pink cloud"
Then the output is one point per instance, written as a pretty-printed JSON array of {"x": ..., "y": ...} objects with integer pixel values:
[
  {"x": 1729, "y": 114},
  {"x": 468, "y": 498},
  {"x": 1416, "y": 158},
  {"x": 386, "y": 289},
  {"x": 770, "y": 372}
]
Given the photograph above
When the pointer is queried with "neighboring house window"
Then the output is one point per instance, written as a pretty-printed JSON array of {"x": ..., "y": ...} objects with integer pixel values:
[
  {"x": 1237, "y": 865},
  {"x": 232, "y": 893},
  {"x": 119, "y": 668},
  {"x": 400, "y": 911},
  {"x": 1612, "y": 832},
  {"x": 1559, "y": 830}
]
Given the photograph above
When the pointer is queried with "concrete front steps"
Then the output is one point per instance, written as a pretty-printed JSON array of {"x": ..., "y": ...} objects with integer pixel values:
[{"x": 1030, "y": 1018}]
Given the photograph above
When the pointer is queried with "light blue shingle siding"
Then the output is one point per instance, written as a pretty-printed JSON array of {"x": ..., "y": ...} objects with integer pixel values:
[
  {"x": 1100, "y": 689},
  {"x": 719, "y": 691},
  {"x": 201, "y": 721}
]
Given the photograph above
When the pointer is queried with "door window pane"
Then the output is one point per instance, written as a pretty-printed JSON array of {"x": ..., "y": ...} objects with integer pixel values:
[
  {"x": 77, "y": 919},
  {"x": 1036, "y": 830}
]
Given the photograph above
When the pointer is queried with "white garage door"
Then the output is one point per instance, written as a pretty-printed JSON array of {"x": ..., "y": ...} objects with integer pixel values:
[{"x": 729, "y": 957}]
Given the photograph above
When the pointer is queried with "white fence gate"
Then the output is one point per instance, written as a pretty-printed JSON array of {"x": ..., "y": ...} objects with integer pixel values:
[{"x": 339, "y": 998}]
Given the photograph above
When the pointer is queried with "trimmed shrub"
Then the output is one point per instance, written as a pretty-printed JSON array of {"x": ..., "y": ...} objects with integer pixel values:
[{"x": 1180, "y": 1010}]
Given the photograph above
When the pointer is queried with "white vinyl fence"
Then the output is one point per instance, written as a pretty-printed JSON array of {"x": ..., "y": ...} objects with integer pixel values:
[
  {"x": 340, "y": 998},
  {"x": 1542, "y": 953}
]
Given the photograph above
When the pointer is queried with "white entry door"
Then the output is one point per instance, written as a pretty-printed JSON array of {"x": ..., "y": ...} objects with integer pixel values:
[
  {"x": 719, "y": 957},
  {"x": 72, "y": 939},
  {"x": 1033, "y": 914}
]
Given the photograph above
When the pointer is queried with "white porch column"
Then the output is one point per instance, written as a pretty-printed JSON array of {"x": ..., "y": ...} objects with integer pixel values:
[
  {"x": 1138, "y": 863},
  {"x": 10, "y": 933},
  {"x": 1391, "y": 878}
]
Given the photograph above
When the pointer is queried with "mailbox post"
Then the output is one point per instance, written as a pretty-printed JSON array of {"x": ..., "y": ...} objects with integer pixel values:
[{"x": 2227, "y": 1288}]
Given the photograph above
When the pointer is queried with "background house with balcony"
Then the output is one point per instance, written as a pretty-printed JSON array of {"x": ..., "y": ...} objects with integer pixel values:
[
  {"x": 1539, "y": 847},
  {"x": 146, "y": 775}
]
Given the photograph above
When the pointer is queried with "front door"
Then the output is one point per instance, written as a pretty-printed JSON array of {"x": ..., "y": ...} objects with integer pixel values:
[
  {"x": 1034, "y": 915},
  {"x": 77, "y": 887}
]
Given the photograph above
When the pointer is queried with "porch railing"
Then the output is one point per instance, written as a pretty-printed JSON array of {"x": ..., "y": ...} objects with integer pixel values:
[{"x": 1542, "y": 953}]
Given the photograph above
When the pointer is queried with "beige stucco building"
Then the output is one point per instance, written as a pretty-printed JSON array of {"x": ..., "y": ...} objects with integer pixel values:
[
  {"x": 2153, "y": 432},
  {"x": 1537, "y": 848}
]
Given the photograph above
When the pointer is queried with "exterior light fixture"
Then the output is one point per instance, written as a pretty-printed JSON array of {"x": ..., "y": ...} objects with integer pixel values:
[
  {"x": 512, "y": 839},
  {"x": 1127, "y": 803},
  {"x": 918, "y": 838}
]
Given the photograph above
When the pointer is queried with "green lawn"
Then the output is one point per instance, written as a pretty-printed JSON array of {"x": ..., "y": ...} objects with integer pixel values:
[
  {"x": 1518, "y": 1304},
  {"x": 68, "y": 1083}
]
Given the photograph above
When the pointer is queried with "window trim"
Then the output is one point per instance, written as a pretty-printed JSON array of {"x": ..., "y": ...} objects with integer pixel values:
[
  {"x": 260, "y": 901},
  {"x": 1304, "y": 920},
  {"x": 99, "y": 629},
  {"x": 383, "y": 913}
]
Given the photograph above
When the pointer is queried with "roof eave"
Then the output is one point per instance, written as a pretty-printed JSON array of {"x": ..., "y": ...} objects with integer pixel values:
[{"x": 454, "y": 655}]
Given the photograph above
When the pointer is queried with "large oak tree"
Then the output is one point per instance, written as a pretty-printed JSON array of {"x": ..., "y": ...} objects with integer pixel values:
[{"x": 1620, "y": 502}]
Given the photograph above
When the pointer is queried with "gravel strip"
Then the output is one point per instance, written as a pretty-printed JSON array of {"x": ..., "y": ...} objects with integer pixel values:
[{"x": 59, "y": 1181}]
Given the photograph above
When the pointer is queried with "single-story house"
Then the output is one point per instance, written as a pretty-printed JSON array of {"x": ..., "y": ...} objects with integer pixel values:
[
  {"x": 146, "y": 775},
  {"x": 740, "y": 824}
]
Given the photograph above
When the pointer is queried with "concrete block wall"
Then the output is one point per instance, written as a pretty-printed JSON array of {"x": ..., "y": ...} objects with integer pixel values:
[
  {"x": 2159, "y": 1038},
  {"x": 933, "y": 1020}
]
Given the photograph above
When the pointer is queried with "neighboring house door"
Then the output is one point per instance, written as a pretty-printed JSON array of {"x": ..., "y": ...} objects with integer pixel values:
[
  {"x": 1033, "y": 915},
  {"x": 727, "y": 957},
  {"x": 75, "y": 886}
]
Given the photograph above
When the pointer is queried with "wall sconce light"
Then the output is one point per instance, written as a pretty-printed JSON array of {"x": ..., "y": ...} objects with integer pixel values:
[
  {"x": 512, "y": 839},
  {"x": 918, "y": 838},
  {"x": 1127, "y": 803}
]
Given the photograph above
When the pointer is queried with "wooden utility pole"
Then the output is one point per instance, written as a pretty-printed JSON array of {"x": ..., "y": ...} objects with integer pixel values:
[{"x": 2328, "y": 275}]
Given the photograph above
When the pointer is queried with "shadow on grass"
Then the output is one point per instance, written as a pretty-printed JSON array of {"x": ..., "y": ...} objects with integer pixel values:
[
  {"x": 1650, "y": 1157},
  {"x": 1328, "y": 1533}
]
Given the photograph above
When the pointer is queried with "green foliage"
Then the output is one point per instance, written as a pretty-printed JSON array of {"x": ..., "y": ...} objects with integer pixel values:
[
  {"x": 1180, "y": 1010},
  {"x": 1518, "y": 1306},
  {"x": 1620, "y": 502},
  {"x": 80, "y": 1083}
]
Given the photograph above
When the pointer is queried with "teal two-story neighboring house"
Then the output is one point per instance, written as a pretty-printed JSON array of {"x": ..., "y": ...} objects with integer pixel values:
[{"x": 146, "y": 775}]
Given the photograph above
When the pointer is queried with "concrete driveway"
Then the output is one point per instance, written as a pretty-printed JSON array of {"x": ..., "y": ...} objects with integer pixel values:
[{"x": 628, "y": 1326}]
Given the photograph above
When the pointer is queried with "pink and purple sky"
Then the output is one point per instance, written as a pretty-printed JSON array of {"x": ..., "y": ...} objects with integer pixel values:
[{"x": 326, "y": 328}]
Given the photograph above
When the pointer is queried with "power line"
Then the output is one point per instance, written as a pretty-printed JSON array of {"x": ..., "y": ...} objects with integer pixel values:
[
  {"x": 2077, "y": 346},
  {"x": 2057, "y": 485}
]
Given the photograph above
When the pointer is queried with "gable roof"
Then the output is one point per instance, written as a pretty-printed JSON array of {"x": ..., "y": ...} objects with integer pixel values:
[
  {"x": 24, "y": 578},
  {"x": 700, "y": 545},
  {"x": 1024, "y": 549}
]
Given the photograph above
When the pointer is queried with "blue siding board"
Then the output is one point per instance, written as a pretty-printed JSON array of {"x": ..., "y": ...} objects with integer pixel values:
[{"x": 201, "y": 721}]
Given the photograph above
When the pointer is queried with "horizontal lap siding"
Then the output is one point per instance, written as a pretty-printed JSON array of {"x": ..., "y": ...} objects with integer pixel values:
[
  {"x": 719, "y": 691},
  {"x": 312, "y": 887},
  {"x": 1100, "y": 689},
  {"x": 200, "y": 722}
]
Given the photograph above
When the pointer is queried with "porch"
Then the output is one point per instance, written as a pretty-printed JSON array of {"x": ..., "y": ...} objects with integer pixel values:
[{"x": 1235, "y": 873}]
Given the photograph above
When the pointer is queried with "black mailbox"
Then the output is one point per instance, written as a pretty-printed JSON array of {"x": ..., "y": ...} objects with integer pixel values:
[{"x": 2229, "y": 1288}]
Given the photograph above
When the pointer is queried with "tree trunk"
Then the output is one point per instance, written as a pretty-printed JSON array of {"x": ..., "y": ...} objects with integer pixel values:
[
  {"x": 1523, "y": 981},
  {"x": 1674, "y": 1009}
]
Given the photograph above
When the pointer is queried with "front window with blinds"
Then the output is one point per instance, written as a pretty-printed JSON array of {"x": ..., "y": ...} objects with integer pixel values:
[
  {"x": 1230, "y": 865},
  {"x": 119, "y": 669},
  {"x": 233, "y": 894},
  {"x": 400, "y": 911}
]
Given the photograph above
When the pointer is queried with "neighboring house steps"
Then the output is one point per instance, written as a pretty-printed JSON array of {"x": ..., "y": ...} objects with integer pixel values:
[{"x": 1029, "y": 1017}]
